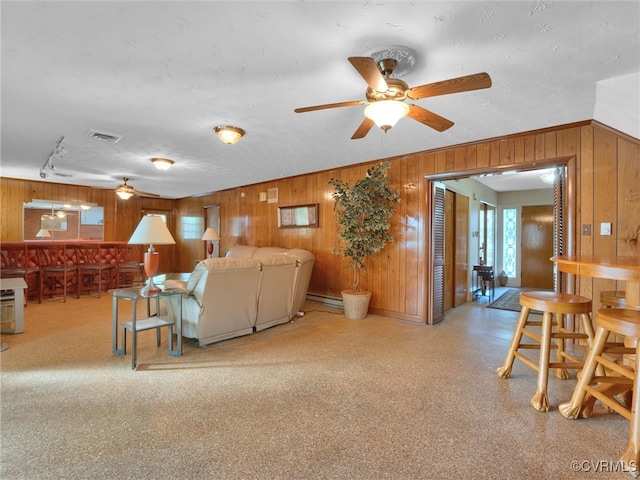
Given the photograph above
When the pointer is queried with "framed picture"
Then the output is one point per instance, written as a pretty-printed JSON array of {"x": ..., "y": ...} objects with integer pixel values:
[{"x": 298, "y": 216}]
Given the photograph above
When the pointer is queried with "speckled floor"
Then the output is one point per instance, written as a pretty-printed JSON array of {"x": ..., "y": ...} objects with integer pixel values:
[{"x": 319, "y": 398}]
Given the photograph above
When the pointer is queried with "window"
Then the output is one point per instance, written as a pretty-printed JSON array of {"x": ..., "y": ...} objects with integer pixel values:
[{"x": 509, "y": 241}]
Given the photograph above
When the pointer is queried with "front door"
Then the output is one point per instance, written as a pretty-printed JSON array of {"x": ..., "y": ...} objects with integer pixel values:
[{"x": 537, "y": 247}]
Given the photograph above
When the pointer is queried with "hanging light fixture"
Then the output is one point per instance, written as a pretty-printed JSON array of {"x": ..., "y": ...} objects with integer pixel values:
[
  {"x": 162, "y": 163},
  {"x": 386, "y": 113},
  {"x": 229, "y": 134},
  {"x": 124, "y": 194}
]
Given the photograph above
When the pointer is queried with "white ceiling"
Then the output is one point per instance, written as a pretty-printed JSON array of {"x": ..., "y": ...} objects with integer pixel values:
[{"x": 162, "y": 74}]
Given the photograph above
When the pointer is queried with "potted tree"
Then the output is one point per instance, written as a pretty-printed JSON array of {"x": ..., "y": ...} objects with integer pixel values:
[{"x": 364, "y": 212}]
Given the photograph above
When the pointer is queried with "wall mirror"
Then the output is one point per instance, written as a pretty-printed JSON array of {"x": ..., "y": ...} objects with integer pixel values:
[
  {"x": 53, "y": 220},
  {"x": 298, "y": 216}
]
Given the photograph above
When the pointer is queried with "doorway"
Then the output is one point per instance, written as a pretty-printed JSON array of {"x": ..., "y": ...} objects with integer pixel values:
[{"x": 563, "y": 213}]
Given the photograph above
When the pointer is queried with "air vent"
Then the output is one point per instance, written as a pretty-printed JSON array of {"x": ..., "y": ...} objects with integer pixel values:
[{"x": 104, "y": 137}]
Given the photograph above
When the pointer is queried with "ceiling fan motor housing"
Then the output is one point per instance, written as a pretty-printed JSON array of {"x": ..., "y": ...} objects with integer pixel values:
[{"x": 396, "y": 91}]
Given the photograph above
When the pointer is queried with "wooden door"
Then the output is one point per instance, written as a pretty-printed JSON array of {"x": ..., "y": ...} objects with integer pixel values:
[
  {"x": 461, "y": 255},
  {"x": 438, "y": 253},
  {"x": 449, "y": 229},
  {"x": 537, "y": 247}
]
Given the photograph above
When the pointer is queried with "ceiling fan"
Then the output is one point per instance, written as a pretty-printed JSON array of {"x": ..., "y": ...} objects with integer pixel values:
[
  {"x": 386, "y": 95},
  {"x": 126, "y": 191}
]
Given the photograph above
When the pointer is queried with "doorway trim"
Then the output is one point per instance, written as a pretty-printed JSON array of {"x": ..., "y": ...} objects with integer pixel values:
[{"x": 569, "y": 186}]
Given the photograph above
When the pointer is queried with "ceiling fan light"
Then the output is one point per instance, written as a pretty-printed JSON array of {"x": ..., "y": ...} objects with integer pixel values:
[
  {"x": 124, "y": 194},
  {"x": 386, "y": 113},
  {"x": 229, "y": 134},
  {"x": 162, "y": 163}
]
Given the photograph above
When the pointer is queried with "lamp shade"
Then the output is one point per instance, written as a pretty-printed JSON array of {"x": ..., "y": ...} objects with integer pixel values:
[
  {"x": 211, "y": 234},
  {"x": 153, "y": 231},
  {"x": 42, "y": 233},
  {"x": 386, "y": 113}
]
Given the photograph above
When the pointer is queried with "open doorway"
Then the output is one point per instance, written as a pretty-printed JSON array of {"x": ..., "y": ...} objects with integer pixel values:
[{"x": 563, "y": 220}]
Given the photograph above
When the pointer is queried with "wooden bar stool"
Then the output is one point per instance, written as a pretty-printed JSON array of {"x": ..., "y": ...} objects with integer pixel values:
[
  {"x": 613, "y": 299},
  {"x": 616, "y": 321},
  {"x": 551, "y": 337}
]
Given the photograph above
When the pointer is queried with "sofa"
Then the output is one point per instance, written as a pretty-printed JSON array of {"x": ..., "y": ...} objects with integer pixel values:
[{"x": 248, "y": 290}]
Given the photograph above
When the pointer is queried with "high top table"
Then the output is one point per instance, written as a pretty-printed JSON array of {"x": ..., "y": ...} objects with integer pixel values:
[{"x": 625, "y": 269}]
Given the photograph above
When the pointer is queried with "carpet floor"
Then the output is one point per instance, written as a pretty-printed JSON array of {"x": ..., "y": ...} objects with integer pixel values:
[{"x": 322, "y": 397}]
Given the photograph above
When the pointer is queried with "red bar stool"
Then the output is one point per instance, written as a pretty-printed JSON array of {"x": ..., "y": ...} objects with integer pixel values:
[
  {"x": 551, "y": 337},
  {"x": 94, "y": 272},
  {"x": 615, "y": 321},
  {"x": 58, "y": 270}
]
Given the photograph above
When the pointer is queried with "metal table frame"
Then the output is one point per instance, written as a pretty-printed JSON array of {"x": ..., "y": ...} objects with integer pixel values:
[{"x": 148, "y": 323}]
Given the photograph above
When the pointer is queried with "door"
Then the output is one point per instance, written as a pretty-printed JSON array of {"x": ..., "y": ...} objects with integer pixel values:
[
  {"x": 449, "y": 229},
  {"x": 537, "y": 247},
  {"x": 438, "y": 252},
  {"x": 461, "y": 255}
]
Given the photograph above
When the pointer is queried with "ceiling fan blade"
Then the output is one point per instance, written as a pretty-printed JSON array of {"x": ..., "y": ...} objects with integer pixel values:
[
  {"x": 144, "y": 194},
  {"x": 476, "y": 81},
  {"x": 330, "y": 105},
  {"x": 367, "y": 68},
  {"x": 429, "y": 119},
  {"x": 363, "y": 129}
]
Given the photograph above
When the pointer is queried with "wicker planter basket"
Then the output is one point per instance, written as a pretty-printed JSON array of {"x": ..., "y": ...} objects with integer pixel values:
[{"x": 356, "y": 304}]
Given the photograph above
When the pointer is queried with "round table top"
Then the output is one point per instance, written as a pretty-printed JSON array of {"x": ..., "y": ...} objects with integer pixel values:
[{"x": 601, "y": 266}]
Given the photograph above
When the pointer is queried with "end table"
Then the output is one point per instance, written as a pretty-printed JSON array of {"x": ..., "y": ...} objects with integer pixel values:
[{"x": 150, "y": 322}]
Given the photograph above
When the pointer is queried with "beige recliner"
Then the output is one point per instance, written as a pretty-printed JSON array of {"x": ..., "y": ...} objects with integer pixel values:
[
  {"x": 221, "y": 300},
  {"x": 304, "y": 260}
]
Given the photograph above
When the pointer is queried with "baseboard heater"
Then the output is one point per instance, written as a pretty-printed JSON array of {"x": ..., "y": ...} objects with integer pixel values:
[{"x": 325, "y": 300}]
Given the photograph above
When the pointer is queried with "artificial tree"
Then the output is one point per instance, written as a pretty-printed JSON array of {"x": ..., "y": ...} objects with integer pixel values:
[{"x": 364, "y": 212}]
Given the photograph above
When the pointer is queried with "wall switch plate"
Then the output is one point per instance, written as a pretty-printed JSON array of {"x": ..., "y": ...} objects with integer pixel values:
[
  {"x": 586, "y": 229},
  {"x": 605, "y": 228}
]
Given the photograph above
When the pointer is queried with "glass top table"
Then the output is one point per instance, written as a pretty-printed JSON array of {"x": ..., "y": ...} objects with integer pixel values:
[{"x": 149, "y": 322}]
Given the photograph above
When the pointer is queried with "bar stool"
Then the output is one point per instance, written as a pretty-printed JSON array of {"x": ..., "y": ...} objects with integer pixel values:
[
  {"x": 57, "y": 268},
  {"x": 616, "y": 321},
  {"x": 93, "y": 270},
  {"x": 613, "y": 299},
  {"x": 548, "y": 303}
]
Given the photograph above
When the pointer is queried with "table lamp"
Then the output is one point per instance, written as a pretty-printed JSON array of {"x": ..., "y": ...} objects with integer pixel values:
[
  {"x": 153, "y": 231},
  {"x": 210, "y": 236}
]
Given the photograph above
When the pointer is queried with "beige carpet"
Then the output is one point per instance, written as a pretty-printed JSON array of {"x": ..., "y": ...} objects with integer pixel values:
[{"x": 319, "y": 398}]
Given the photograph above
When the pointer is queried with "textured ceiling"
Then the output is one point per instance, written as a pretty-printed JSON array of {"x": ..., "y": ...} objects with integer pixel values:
[{"x": 162, "y": 74}]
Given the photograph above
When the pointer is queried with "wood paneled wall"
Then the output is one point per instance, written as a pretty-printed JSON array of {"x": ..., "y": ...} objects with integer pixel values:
[
  {"x": 120, "y": 217},
  {"x": 607, "y": 190}
]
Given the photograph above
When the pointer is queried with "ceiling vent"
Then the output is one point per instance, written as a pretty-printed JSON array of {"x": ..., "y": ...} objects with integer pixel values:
[{"x": 104, "y": 137}]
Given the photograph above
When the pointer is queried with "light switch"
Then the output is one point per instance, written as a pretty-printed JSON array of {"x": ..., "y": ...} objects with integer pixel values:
[{"x": 605, "y": 229}]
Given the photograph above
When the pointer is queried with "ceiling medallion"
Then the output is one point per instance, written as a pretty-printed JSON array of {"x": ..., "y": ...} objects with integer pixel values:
[{"x": 405, "y": 58}]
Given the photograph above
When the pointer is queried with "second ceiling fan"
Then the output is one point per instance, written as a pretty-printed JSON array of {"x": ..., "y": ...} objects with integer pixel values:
[
  {"x": 126, "y": 191},
  {"x": 386, "y": 96}
]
